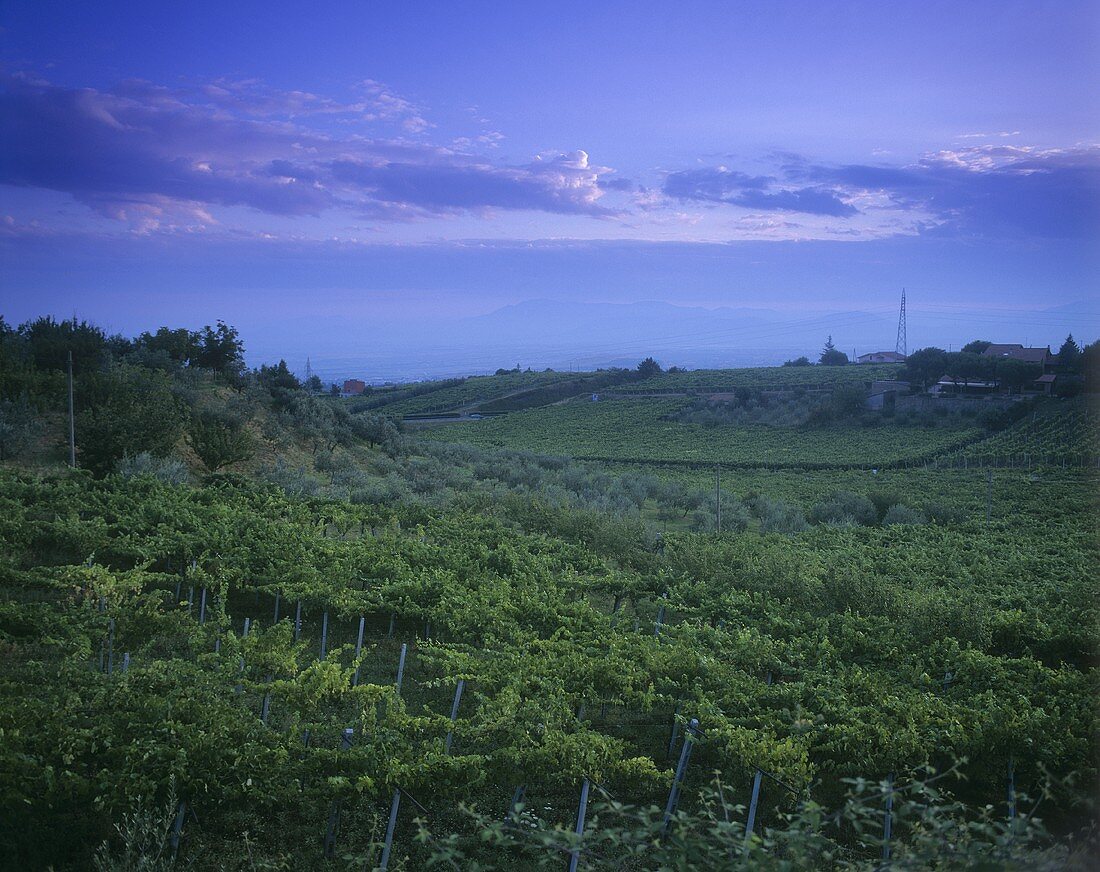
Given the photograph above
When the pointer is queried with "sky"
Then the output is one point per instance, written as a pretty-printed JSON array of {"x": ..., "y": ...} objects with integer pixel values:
[{"x": 375, "y": 166}]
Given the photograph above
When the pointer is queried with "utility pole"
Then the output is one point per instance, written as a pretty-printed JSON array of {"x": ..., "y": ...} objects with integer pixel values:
[{"x": 72, "y": 420}]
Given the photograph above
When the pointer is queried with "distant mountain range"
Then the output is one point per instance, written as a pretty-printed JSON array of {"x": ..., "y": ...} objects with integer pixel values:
[{"x": 584, "y": 336}]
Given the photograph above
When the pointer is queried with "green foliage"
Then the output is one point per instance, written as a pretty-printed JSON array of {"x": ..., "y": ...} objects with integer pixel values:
[
  {"x": 220, "y": 348},
  {"x": 180, "y": 345},
  {"x": 20, "y": 425},
  {"x": 939, "y": 832},
  {"x": 902, "y": 514},
  {"x": 925, "y": 366},
  {"x": 648, "y": 368},
  {"x": 818, "y": 655},
  {"x": 142, "y": 840},
  {"x": 126, "y": 411},
  {"x": 1069, "y": 355},
  {"x": 166, "y": 469},
  {"x": 844, "y": 507},
  {"x": 831, "y": 355},
  {"x": 49, "y": 343},
  {"x": 219, "y": 440},
  {"x": 798, "y": 361},
  {"x": 640, "y": 430},
  {"x": 767, "y": 378}
]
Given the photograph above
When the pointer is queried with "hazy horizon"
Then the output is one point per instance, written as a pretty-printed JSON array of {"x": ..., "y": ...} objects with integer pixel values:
[{"x": 367, "y": 185}]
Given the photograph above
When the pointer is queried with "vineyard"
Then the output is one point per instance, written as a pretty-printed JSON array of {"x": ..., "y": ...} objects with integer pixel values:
[
  {"x": 362, "y": 648},
  {"x": 1066, "y": 434},
  {"x": 637, "y": 430},
  {"x": 151, "y": 619},
  {"x": 763, "y": 378},
  {"x": 473, "y": 390}
]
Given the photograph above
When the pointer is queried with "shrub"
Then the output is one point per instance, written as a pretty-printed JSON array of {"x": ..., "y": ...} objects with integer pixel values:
[
  {"x": 170, "y": 470},
  {"x": 845, "y": 507},
  {"x": 940, "y": 513},
  {"x": 902, "y": 514},
  {"x": 779, "y": 517},
  {"x": 883, "y": 501},
  {"x": 219, "y": 440}
]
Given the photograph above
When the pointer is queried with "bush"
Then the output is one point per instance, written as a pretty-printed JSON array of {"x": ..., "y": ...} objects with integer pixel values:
[
  {"x": 220, "y": 440},
  {"x": 169, "y": 470},
  {"x": 883, "y": 501},
  {"x": 940, "y": 513},
  {"x": 843, "y": 508},
  {"x": 902, "y": 514},
  {"x": 735, "y": 516},
  {"x": 778, "y": 517}
]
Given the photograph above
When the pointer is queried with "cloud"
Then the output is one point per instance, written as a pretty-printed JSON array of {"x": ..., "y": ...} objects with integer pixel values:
[
  {"x": 721, "y": 185},
  {"x": 989, "y": 190},
  {"x": 145, "y": 153},
  {"x": 554, "y": 183}
]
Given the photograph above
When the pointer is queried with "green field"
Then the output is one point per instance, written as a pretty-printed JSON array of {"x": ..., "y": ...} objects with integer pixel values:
[
  {"x": 763, "y": 378},
  {"x": 473, "y": 390},
  {"x": 634, "y": 430},
  {"x": 1065, "y": 430}
]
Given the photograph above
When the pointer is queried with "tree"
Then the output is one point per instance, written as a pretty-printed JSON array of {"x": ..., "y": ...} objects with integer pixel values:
[
  {"x": 281, "y": 383},
  {"x": 313, "y": 384},
  {"x": 648, "y": 368},
  {"x": 925, "y": 366},
  {"x": 977, "y": 346},
  {"x": 798, "y": 361},
  {"x": 125, "y": 411},
  {"x": 219, "y": 440},
  {"x": 1090, "y": 366},
  {"x": 966, "y": 366},
  {"x": 830, "y": 356},
  {"x": 51, "y": 341},
  {"x": 1016, "y": 374},
  {"x": 1069, "y": 355},
  {"x": 377, "y": 430},
  {"x": 180, "y": 344},
  {"x": 220, "y": 348}
]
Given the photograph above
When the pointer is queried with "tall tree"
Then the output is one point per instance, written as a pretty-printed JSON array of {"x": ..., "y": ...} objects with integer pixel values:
[
  {"x": 831, "y": 355},
  {"x": 925, "y": 366},
  {"x": 1069, "y": 355},
  {"x": 220, "y": 348},
  {"x": 51, "y": 341},
  {"x": 649, "y": 368}
]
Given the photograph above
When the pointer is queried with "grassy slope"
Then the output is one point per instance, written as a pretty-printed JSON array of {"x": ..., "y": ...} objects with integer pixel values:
[{"x": 634, "y": 430}]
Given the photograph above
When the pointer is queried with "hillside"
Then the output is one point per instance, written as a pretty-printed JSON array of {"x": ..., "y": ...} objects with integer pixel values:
[{"x": 254, "y": 665}]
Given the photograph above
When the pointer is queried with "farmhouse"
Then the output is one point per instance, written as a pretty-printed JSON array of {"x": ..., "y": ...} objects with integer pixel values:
[
  {"x": 353, "y": 387},
  {"x": 1012, "y": 351},
  {"x": 881, "y": 357}
]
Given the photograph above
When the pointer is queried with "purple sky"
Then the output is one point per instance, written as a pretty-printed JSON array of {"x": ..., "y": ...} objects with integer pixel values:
[{"x": 399, "y": 161}]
